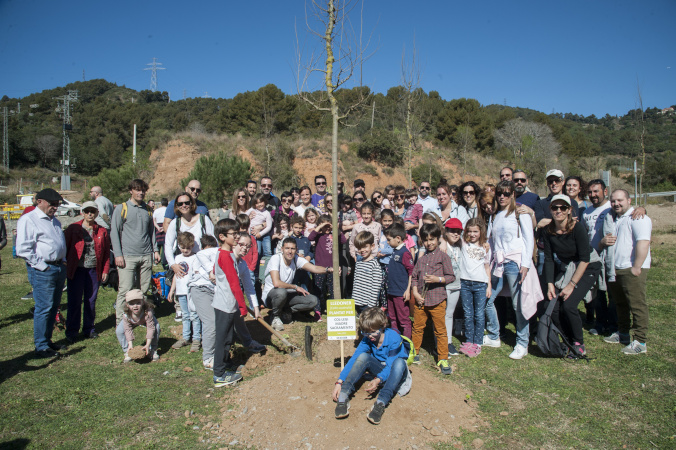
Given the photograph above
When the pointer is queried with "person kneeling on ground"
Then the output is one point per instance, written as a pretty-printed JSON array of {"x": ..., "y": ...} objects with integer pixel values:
[
  {"x": 138, "y": 311},
  {"x": 382, "y": 352}
]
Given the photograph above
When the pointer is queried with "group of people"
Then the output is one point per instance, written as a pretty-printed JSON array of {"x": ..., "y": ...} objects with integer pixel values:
[{"x": 403, "y": 253}]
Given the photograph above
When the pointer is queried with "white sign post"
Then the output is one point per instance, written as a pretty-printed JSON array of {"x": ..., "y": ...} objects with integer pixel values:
[{"x": 341, "y": 323}]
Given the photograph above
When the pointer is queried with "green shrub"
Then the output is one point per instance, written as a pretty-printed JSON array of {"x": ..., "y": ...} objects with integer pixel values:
[
  {"x": 382, "y": 146},
  {"x": 426, "y": 172},
  {"x": 219, "y": 174},
  {"x": 115, "y": 182},
  {"x": 388, "y": 171},
  {"x": 369, "y": 170}
]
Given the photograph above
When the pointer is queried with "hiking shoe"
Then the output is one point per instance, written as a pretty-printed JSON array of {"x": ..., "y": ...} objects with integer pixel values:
[
  {"x": 178, "y": 317},
  {"x": 452, "y": 351},
  {"x": 57, "y": 347},
  {"x": 416, "y": 359},
  {"x": 488, "y": 342},
  {"x": 277, "y": 324},
  {"x": 474, "y": 351},
  {"x": 227, "y": 379},
  {"x": 445, "y": 368},
  {"x": 594, "y": 332},
  {"x": 376, "y": 413},
  {"x": 577, "y": 351},
  {"x": 208, "y": 364},
  {"x": 48, "y": 353},
  {"x": 180, "y": 343},
  {"x": 156, "y": 356},
  {"x": 257, "y": 348},
  {"x": 318, "y": 316},
  {"x": 127, "y": 358},
  {"x": 195, "y": 346},
  {"x": 92, "y": 335},
  {"x": 617, "y": 338},
  {"x": 635, "y": 348},
  {"x": 28, "y": 296},
  {"x": 519, "y": 352},
  {"x": 342, "y": 410}
]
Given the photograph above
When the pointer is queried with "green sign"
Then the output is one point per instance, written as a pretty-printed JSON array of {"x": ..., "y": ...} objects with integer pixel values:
[{"x": 341, "y": 322}]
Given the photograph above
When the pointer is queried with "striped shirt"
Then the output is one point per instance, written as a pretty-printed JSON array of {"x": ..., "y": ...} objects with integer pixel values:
[
  {"x": 438, "y": 264},
  {"x": 368, "y": 277}
]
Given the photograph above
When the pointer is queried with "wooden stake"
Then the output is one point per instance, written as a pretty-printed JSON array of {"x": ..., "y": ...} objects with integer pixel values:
[{"x": 342, "y": 355}]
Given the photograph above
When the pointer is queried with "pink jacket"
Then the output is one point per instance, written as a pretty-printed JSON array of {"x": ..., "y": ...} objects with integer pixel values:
[{"x": 531, "y": 293}]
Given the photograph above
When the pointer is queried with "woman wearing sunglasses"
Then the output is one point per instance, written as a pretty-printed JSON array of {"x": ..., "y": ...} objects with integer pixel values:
[
  {"x": 187, "y": 219},
  {"x": 578, "y": 271},
  {"x": 240, "y": 203},
  {"x": 512, "y": 243},
  {"x": 469, "y": 194}
]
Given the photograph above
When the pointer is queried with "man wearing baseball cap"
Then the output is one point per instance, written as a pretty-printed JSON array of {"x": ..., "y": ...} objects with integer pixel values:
[
  {"x": 41, "y": 242},
  {"x": 358, "y": 185}
]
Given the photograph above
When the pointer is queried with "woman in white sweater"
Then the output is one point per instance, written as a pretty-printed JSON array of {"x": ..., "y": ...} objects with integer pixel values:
[{"x": 512, "y": 246}]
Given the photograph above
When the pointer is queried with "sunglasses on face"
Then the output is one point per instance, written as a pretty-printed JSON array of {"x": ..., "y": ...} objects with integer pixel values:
[
  {"x": 503, "y": 175},
  {"x": 453, "y": 194},
  {"x": 377, "y": 197},
  {"x": 466, "y": 193},
  {"x": 266, "y": 185},
  {"x": 424, "y": 188},
  {"x": 54, "y": 204},
  {"x": 241, "y": 196},
  {"x": 193, "y": 189},
  {"x": 554, "y": 181},
  {"x": 320, "y": 183},
  {"x": 179, "y": 204},
  {"x": 90, "y": 211},
  {"x": 503, "y": 194},
  {"x": 519, "y": 180},
  {"x": 399, "y": 196},
  {"x": 286, "y": 200},
  {"x": 371, "y": 334},
  {"x": 563, "y": 208},
  {"x": 358, "y": 199}
]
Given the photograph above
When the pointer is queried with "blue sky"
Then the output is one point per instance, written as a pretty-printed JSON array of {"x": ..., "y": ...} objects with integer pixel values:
[{"x": 574, "y": 56}]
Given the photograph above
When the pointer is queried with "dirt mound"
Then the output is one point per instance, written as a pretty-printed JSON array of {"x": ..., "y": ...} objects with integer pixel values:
[
  {"x": 290, "y": 406},
  {"x": 173, "y": 163}
]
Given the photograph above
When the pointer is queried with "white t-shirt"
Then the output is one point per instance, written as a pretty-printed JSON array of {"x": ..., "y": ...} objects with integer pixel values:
[
  {"x": 629, "y": 231},
  {"x": 472, "y": 260},
  {"x": 593, "y": 220},
  {"x": 158, "y": 215},
  {"x": 509, "y": 235},
  {"x": 182, "y": 283},
  {"x": 286, "y": 273}
]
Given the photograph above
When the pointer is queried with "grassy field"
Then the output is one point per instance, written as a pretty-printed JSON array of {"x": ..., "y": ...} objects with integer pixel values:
[{"x": 89, "y": 399}]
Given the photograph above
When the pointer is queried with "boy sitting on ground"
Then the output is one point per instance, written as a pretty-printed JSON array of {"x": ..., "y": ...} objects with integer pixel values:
[{"x": 384, "y": 354}]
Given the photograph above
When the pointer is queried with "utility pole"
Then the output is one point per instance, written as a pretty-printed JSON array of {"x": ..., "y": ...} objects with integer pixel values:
[
  {"x": 5, "y": 141},
  {"x": 64, "y": 108},
  {"x": 153, "y": 76},
  {"x": 83, "y": 76}
]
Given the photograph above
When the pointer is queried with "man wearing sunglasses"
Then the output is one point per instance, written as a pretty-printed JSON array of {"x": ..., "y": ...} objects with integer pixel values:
[
  {"x": 194, "y": 189},
  {"x": 41, "y": 242},
  {"x": 428, "y": 203},
  {"x": 318, "y": 197},
  {"x": 272, "y": 202},
  {"x": 523, "y": 196}
]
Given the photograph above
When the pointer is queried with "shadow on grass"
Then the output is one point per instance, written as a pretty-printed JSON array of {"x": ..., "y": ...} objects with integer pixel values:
[
  {"x": 15, "y": 444},
  {"x": 16, "y": 318},
  {"x": 20, "y": 364}
]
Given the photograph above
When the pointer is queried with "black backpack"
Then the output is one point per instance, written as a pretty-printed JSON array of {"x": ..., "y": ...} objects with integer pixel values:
[{"x": 550, "y": 340}]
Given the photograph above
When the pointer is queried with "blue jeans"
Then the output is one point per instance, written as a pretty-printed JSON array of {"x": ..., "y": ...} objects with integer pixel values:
[
  {"x": 473, "y": 295},
  {"x": 47, "y": 290},
  {"x": 512, "y": 277},
  {"x": 189, "y": 317},
  {"x": 264, "y": 246},
  {"x": 366, "y": 361}
]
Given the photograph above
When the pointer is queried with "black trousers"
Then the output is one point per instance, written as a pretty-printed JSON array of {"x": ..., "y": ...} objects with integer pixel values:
[
  {"x": 225, "y": 333},
  {"x": 566, "y": 315}
]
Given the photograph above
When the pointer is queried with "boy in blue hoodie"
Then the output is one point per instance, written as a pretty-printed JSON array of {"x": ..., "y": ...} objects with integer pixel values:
[{"x": 384, "y": 354}]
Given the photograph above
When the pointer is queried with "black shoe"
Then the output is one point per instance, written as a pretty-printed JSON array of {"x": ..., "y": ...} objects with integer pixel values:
[
  {"x": 49, "y": 353},
  {"x": 57, "y": 347},
  {"x": 71, "y": 340},
  {"x": 342, "y": 410},
  {"x": 376, "y": 413},
  {"x": 28, "y": 296},
  {"x": 452, "y": 351},
  {"x": 92, "y": 335}
]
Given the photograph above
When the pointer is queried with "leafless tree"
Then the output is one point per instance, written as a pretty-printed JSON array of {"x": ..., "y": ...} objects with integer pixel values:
[
  {"x": 321, "y": 73},
  {"x": 410, "y": 81},
  {"x": 640, "y": 137},
  {"x": 47, "y": 146}
]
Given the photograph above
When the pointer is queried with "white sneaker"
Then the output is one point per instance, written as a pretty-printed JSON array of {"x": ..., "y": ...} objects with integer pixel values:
[
  {"x": 488, "y": 342},
  {"x": 208, "y": 364},
  {"x": 519, "y": 352},
  {"x": 277, "y": 324},
  {"x": 127, "y": 358},
  {"x": 156, "y": 356}
]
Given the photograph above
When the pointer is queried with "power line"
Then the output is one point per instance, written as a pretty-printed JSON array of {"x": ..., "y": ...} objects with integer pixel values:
[
  {"x": 153, "y": 76},
  {"x": 64, "y": 108}
]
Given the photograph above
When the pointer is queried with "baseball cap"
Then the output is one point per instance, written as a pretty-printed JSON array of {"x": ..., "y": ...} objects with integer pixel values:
[
  {"x": 89, "y": 204},
  {"x": 562, "y": 197},
  {"x": 453, "y": 224},
  {"x": 359, "y": 182},
  {"x": 134, "y": 294},
  {"x": 555, "y": 173}
]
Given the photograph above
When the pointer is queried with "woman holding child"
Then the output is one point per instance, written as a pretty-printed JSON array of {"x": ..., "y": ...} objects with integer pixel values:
[{"x": 186, "y": 220}]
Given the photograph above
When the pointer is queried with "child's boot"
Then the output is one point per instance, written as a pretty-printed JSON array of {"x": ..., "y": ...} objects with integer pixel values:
[{"x": 376, "y": 413}]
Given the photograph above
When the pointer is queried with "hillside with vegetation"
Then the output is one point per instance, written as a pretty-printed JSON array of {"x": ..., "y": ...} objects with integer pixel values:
[{"x": 460, "y": 132}]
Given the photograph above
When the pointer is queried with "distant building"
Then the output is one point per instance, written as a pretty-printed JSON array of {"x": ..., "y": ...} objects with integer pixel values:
[{"x": 669, "y": 110}]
